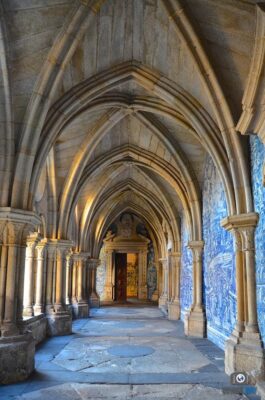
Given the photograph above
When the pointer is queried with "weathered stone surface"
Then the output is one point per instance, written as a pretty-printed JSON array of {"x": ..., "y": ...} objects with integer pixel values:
[
  {"x": 77, "y": 391},
  {"x": 37, "y": 327},
  {"x": 16, "y": 358},
  {"x": 80, "y": 310},
  {"x": 59, "y": 324}
]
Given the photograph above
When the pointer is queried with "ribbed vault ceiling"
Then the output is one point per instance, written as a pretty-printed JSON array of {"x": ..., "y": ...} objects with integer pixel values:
[{"x": 117, "y": 105}]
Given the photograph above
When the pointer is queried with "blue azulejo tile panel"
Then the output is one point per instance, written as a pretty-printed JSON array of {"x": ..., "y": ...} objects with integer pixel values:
[
  {"x": 186, "y": 270},
  {"x": 219, "y": 290},
  {"x": 257, "y": 160}
]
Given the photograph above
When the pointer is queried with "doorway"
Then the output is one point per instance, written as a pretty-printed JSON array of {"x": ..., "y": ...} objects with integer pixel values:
[
  {"x": 126, "y": 276},
  {"x": 120, "y": 276}
]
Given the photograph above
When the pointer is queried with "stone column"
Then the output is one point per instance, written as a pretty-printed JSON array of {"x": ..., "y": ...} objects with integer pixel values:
[
  {"x": 40, "y": 284},
  {"x": 74, "y": 282},
  {"x": 164, "y": 297},
  {"x": 28, "y": 296},
  {"x": 174, "y": 304},
  {"x": 93, "y": 263},
  {"x": 109, "y": 277},
  {"x": 81, "y": 307},
  {"x": 244, "y": 349},
  {"x": 68, "y": 284},
  {"x": 195, "y": 320},
  {"x": 170, "y": 277},
  {"x": 142, "y": 284},
  {"x": 51, "y": 259},
  {"x": 58, "y": 315},
  {"x": 16, "y": 350},
  {"x": 155, "y": 295}
]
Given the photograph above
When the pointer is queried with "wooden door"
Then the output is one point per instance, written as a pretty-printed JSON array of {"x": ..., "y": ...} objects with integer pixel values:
[{"x": 120, "y": 276}]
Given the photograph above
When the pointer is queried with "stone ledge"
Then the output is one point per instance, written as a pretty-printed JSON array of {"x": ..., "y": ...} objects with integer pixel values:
[{"x": 36, "y": 325}]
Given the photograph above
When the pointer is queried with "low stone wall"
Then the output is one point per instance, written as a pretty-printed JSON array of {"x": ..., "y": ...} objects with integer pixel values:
[{"x": 37, "y": 326}]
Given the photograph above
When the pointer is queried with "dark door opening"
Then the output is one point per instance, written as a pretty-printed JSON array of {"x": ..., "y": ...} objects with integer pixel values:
[{"x": 120, "y": 276}]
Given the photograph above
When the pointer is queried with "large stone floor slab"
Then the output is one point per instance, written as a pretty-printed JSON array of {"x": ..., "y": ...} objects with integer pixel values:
[
  {"x": 126, "y": 353},
  {"x": 77, "y": 391}
]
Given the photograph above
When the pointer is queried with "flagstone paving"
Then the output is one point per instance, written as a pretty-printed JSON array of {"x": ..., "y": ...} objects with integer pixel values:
[{"x": 127, "y": 353}]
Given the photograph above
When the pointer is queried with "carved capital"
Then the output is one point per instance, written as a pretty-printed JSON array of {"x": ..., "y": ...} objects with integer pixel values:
[
  {"x": 41, "y": 249},
  {"x": 164, "y": 262},
  {"x": 248, "y": 236},
  {"x": 240, "y": 221},
  {"x": 16, "y": 225},
  {"x": 93, "y": 263},
  {"x": 238, "y": 239}
]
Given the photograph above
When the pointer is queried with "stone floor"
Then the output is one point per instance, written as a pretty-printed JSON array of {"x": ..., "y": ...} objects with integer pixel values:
[{"x": 127, "y": 353}]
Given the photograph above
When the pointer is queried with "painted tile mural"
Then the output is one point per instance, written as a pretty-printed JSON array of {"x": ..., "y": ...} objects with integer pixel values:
[
  {"x": 257, "y": 159},
  {"x": 186, "y": 270},
  {"x": 218, "y": 260}
]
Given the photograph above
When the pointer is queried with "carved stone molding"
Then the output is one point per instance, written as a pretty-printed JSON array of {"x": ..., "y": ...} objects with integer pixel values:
[
  {"x": 240, "y": 221},
  {"x": 252, "y": 117}
]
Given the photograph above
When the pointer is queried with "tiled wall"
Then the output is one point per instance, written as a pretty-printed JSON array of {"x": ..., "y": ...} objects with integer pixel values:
[
  {"x": 186, "y": 270},
  {"x": 218, "y": 260},
  {"x": 257, "y": 160}
]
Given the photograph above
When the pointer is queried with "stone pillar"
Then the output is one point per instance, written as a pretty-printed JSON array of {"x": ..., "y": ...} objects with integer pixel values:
[
  {"x": 50, "y": 262},
  {"x": 40, "y": 281},
  {"x": 81, "y": 306},
  {"x": 170, "y": 278},
  {"x": 109, "y": 295},
  {"x": 92, "y": 269},
  {"x": 16, "y": 350},
  {"x": 195, "y": 320},
  {"x": 244, "y": 349},
  {"x": 174, "y": 304},
  {"x": 164, "y": 296},
  {"x": 74, "y": 281},
  {"x": 142, "y": 284},
  {"x": 28, "y": 296},
  {"x": 155, "y": 295},
  {"x": 58, "y": 315},
  {"x": 68, "y": 284}
]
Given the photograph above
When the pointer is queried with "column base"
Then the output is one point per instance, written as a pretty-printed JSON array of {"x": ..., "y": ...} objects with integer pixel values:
[
  {"x": 17, "y": 358},
  {"x": 59, "y": 324},
  {"x": 28, "y": 312},
  {"x": 244, "y": 352},
  {"x": 94, "y": 301},
  {"x": 195, "y": 323},
  {"x": 162, "y": 302},
  {"x": 80, "y": 310},
  {"x": 38, "y": 310},
  {"x": 142, "y": 292},
  {"x": 174, "y": 310},
  {"x": 155, "y": 295}
]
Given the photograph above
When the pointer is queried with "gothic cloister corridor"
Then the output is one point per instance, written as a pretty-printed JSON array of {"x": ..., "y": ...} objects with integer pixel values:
[
  {"x": 127, "y": 353},
  {"x": 132, "y": 174}
]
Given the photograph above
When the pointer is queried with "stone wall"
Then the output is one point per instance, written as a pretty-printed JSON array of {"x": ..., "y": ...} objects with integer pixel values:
[
  {"x": 218, "y": 260},
  {"x": 257, "y": 160},
  {"x": 186, "y": 270},
  {"x": 101, "y": 274}
]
